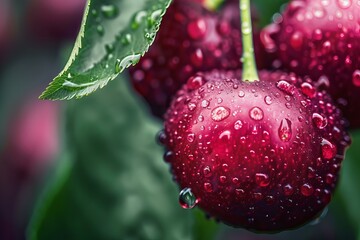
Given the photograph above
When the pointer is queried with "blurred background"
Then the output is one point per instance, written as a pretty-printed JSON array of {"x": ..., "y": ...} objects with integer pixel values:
[{"x": 90, "y": 168}]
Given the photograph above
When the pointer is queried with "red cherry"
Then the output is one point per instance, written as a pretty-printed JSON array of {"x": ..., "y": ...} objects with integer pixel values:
[
  {"x": 252, "y": 154},
  {"x": 191, "y": 39},
  {"x": 320, "y": 39}
]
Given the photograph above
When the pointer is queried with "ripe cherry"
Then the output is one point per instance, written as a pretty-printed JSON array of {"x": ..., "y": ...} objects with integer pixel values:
[
  {"x": 320, "y": 39},
  {"x": 262, "y": 155}
]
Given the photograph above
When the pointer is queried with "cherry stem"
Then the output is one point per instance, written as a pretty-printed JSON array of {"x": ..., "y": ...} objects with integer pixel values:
[
  {"x": 249, "y": 73},
  {"x": 212, "y": 5}
]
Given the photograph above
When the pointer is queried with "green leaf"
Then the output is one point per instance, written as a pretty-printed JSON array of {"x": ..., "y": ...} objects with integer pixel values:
[
  {"x": 350, "y": 179},
  {"x": 118, "y": 186},
  {"x": 114, "y": 35}
]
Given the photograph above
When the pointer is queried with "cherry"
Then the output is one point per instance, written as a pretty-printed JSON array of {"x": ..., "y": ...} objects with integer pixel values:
[
  {"x": 262, "y": 155},
  {"x": 191, "y": 39},
  {"x": 320, "y": 39}
]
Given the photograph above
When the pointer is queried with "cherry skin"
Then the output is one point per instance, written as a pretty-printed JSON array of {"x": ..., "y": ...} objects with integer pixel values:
[
  {"x": 320, "y": 39},
  {"x": 191, "y": 39},
  {"x": 263, "y": 156}
]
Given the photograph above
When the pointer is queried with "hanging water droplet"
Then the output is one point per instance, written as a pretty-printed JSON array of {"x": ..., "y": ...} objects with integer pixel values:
[
  {"x": 256, "y": 113},
  {"x": 220, "y": 113},
  {"x": 187, "y": 199},
  {"x": 126, "y": 62},
  {"x": 285, "y": 131},
  {"x": 109, "y": 11}
]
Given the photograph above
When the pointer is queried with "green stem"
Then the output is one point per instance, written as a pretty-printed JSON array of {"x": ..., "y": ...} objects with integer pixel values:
[
  {"x": 250, "y": 73},
  {"x": 212, "y": 5}
]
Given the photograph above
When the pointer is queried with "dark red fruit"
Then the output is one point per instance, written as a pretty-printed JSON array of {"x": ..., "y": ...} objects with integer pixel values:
[
  {"x": 320, "y": 39},
  {"x": 191, "y": 39},
  {"x": 264, "y": 156}
]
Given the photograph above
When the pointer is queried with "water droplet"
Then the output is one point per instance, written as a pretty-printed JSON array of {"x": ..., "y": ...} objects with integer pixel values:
[
  {"x": 285, "y": 131},
  {"x": 187, "y": 199},
  {"x": 191, "y": 137},
  {"x": 207, "y": 171},
  {"x": 344, "y": 4},
  {"x": 328, "y": 149},
  {"x": 155, "y": 17},
  {"x": 238, "y": 124},
  {"x": 356, "y": 78},
  {"x": 109, "y": 11},
  {"x": 318, "y": 11},
  {"x": 256, "y": 113},
  {"x": 138, "y": 19},
  {"x": 307, "y": 190},
  {"x": 262, "y": 179},
  {"x": 288, "y": 190},
  {"x": 197, "y": 57},
  {"x": 191, "y": 106},
  {"x": 197, "y": 29},
  {"x": 208, "y": 187},
  {"x": 296, "y": 40},
  {"x": 161, "y": 137},
  {"x": 241, "y": 94},
  {"x": 319, "y": 121},
  {"x": 286, "y": 87},
  {"x": 268, "y": 100},
  {"x": 320, "y": 218},
  {"x": 225, "y": 135},
  {"x": 308, "y": 89},
  {"x": 220, "y": 113},
  {"x": 126, "y": 39},
  {"x": 169, "y": 156},
  {"x": 100, "y": 30},
  {"x": 126, "y": 62},
  {"x": 195, "y": 82}
]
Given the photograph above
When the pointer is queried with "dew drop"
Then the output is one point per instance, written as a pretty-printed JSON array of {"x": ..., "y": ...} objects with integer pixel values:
[
  {"x": 207, "y": 171},
  {"x": 138, "y": 19},
  {"x": 308, "y": 89},
  {"x": 100, "y": 30},
  {"x": 109, "y": 11},
  {"x": 356, "y": 78},
  {"x": 197, "y": 29},
  {"x": 205, "y": 103},
  {"x": 126, "y": 62},
  {"x": 187, "y": 199},
  {"x": 208, "y": 187},
  {"x": 285, "y": 131},
  {"x": 126, "y": 39},
  {"x": 190, "y": 137},
  {"x": 262, "y": 179},
  {"x": 220, "y": 113},
  {"x": 344, "y": 4},
  {"x": 191, "y": 106},
  {"x": 256, "y": 113},
  {"x": 268, "y": 100},
  {"x": 238, "y": 125},
  {"x": 195, "y": 82},
  {"x": 241, "y": 94},
  {"x": 328, "y": 149},
  {"x": 296, "y": 40},
  {"x": 288, "y": 190},
  {"x": 319, "y": 121},
  {"x": 307, "y": 190},
  {"x": 286, "y": 87},
  {"x": 225, "y": 135}
]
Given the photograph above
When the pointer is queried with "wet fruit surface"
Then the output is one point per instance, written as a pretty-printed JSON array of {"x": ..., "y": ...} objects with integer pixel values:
[
  {"x": 262, "y": 155},
  {"x": 320, "y": 39},
  {"x": 191, "y": 39}
]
